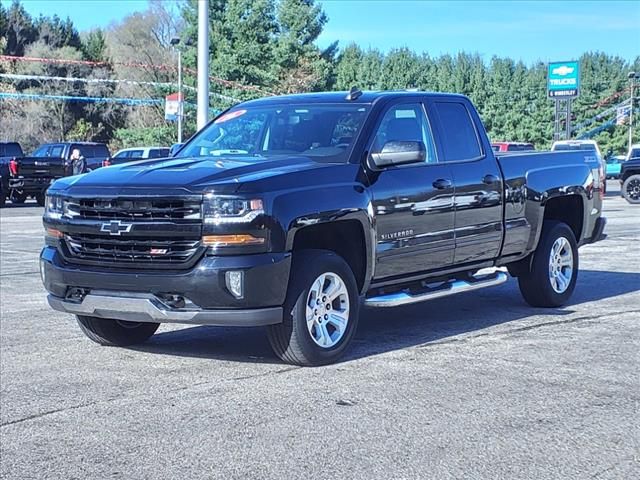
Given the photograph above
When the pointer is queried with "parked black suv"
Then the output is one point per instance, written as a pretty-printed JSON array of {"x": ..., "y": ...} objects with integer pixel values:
[{"x": 291, "y": 211}]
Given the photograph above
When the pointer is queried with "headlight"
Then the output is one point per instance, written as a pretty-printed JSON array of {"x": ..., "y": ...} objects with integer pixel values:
[
  {"x": 53, "y": 207},
  {"x": 219, "y": 210},
  {"x": 233, "y": 225}
]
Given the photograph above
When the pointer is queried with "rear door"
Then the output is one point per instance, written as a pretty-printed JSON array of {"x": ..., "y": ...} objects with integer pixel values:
[
  {"x": 477, "y": 178},
  {"x": 413, "y": 203}
]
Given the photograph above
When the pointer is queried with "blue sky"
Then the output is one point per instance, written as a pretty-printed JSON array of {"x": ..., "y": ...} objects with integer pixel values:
[{"x": 529, "y": 31}]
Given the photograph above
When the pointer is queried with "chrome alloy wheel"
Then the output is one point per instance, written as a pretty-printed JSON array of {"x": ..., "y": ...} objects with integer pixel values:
[
  {"x": 561, "y": 265},
  {"x": 327, "y": 310}
]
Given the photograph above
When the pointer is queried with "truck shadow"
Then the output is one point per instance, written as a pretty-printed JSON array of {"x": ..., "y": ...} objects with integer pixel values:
[{"x": 419, "y": 325}]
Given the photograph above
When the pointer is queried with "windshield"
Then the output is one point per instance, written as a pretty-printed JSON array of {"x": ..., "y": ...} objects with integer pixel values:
[
  {"x": 635, "y": 153},
  {"x": 323, "y": 132},
  {"x": 575, "y": 146}
]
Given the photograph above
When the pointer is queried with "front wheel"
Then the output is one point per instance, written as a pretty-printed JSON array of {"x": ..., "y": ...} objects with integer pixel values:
[
  {"x": 631, "y": 189},
  {"x": 320, "y": 310},
  {"x": 116, "y": 333},
  {"x": 551, "y": 279}
]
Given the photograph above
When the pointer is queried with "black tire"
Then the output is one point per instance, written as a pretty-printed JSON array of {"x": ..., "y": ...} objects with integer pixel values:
[
  {"x": 536, "y": 285},
  {"x": 3, "y": 199},
  {"x": 116, "y": 333},
  {"x": 631, "y": 189},
  {"x": 291, "y": 340},
  {"x": 40, "y": 199},
  {"x": 18, "y": 197}
]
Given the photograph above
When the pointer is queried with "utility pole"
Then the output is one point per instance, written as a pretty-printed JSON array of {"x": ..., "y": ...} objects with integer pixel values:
[
  {"x": 175, "y": 41},
  {"x": 632, "y": 83},
  {"x": 203, "y": 63}
]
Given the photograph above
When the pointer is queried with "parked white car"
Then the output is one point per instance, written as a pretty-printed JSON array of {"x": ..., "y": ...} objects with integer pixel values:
[
  {"x": 141, "y": 153},
  {"x": 589, "y": 145}
]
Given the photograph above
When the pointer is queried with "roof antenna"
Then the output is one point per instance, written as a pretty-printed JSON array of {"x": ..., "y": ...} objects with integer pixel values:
[{"x": 353, "y": 94}]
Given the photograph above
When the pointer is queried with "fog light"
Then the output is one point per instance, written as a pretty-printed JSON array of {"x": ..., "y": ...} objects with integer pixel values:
[{"x": 235, "y": 282}]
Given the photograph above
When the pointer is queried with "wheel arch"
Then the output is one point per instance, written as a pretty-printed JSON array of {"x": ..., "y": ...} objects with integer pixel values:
[{"x": 349, "y": 236}]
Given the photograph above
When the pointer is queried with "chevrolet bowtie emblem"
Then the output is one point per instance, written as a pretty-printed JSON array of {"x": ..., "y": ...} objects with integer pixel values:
[{"x": 115, "y": 227}]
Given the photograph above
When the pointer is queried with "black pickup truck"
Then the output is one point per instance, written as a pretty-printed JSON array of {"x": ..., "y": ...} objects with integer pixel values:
[
  {"x": 293, "y": 211},
  {"x": 51, "y": 161}
]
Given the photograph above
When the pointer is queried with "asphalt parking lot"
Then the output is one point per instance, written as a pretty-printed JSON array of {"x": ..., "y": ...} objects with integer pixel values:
[{"x": 474, "y": 386}]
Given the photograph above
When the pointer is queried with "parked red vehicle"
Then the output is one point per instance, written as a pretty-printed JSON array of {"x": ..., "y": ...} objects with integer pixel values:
[{"x": 505, "y": 147}]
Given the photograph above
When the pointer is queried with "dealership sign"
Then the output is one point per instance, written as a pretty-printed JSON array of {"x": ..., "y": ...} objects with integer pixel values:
[
  {"x": 173, "y": 106},
  {"x": 563, "y": 79}
]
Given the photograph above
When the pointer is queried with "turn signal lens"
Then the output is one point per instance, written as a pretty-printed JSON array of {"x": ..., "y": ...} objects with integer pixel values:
[
  {"x": 231, "y": 240},
  {"x": 52, "y": 232}
]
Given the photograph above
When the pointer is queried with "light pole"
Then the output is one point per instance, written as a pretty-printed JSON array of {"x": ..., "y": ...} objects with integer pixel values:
[
  {"x": 203, "y": 63},
  {"x": 175, "y": 41},
  {"x": 633, "y": 76}
]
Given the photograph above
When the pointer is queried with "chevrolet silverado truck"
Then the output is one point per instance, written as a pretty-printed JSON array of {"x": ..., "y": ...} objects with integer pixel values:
[
  {"x": 51, "y": 161},
  {"x": 291, "y": 212}
]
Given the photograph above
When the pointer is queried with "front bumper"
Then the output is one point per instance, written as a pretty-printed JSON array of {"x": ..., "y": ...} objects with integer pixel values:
[
  {"x": 149, "y": 308},
  {"x": 141, "y": 295},
  {"x": 29, "y": 184}
]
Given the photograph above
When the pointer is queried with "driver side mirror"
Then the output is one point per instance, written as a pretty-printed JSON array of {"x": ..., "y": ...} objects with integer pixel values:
[
  {"x": 399, "y": 153},
  {"x": 174, "y": 148}
]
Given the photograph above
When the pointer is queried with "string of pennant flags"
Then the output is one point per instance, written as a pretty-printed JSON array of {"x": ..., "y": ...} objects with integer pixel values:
[
  {"x": 19, "y": 77},
  {"x": 85, "y": 99},
  {"x": 147, "y": 66}
]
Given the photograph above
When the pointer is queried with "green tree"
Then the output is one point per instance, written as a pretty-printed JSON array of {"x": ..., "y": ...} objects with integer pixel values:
[{"x": 19, "y": 30}]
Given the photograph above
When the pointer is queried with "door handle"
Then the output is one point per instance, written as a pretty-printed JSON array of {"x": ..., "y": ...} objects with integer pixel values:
[
  {"x": 442, "y": 183},
  {"x": 489, "y": 179}
]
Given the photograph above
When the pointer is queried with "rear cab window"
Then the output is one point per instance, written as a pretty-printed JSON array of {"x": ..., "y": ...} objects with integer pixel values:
[
  {"x": 41, "y": 151},
  {"x": 459, "y": 138},
  {"x": 56, "y": 151}
]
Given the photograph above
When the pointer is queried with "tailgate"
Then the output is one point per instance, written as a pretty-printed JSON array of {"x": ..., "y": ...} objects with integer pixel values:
[{"x": 42, "y": 167}]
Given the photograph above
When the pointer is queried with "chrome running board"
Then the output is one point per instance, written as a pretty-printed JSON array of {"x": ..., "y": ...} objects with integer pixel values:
[{"x": 451, "y": 287}]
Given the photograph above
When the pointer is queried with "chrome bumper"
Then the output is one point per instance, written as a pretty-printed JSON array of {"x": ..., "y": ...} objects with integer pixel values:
[{"x": 138, "y": 307}]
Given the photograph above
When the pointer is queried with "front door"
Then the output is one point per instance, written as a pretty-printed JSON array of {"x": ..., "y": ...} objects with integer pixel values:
[
  {"x": 477, "y": 178},
  {"x": 413, "y": 204}
]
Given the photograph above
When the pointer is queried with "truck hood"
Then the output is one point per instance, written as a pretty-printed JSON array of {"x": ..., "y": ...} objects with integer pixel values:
[{"x": 194, "y": 174}]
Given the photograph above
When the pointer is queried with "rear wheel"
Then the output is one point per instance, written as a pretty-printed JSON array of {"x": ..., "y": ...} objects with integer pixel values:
[
  {"x": 18, "y": 196},
  {"x": 631, "y": 189},
  {"x": 320, "y": 311},
  {"x": 116, "y": 333},
  {"x": 551, "y": 279}
]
